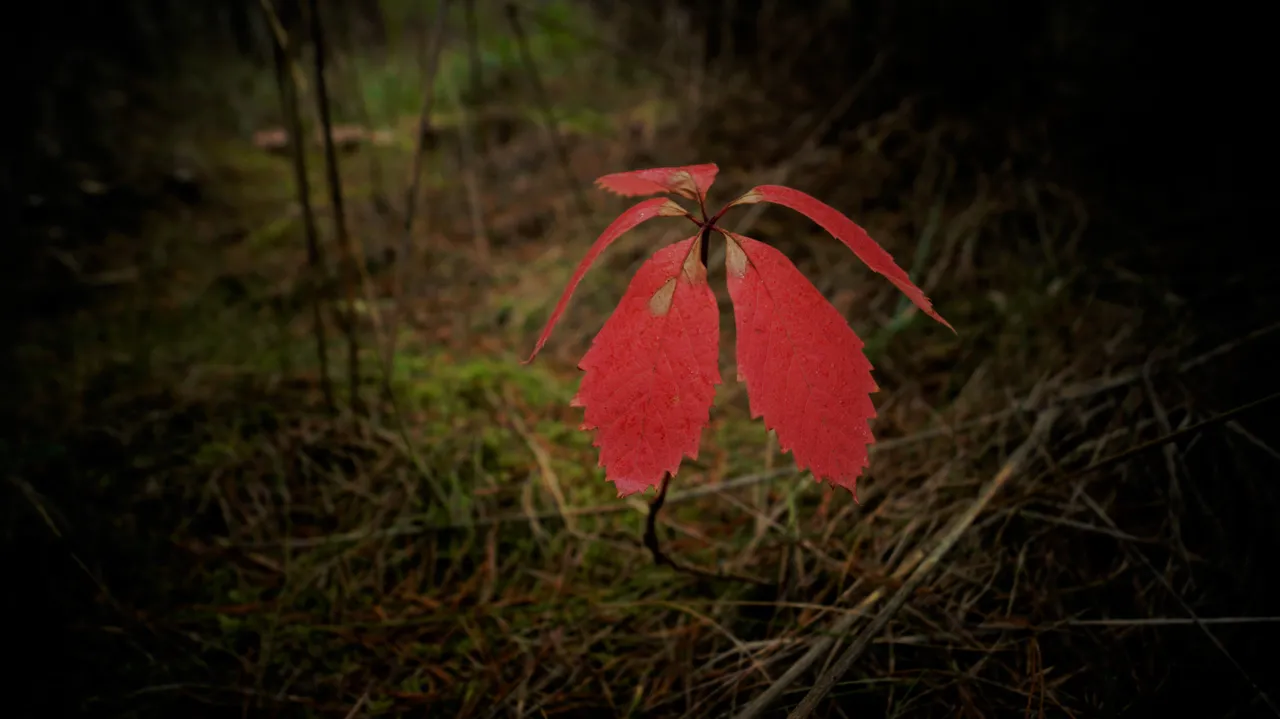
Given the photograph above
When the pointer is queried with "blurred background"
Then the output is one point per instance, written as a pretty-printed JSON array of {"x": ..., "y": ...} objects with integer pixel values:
[{"x": 270, "y": 269}]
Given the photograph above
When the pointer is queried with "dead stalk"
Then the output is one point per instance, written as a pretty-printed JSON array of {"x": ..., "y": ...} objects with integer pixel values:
[
  {"x": 339, "y": 216},
  {"x": 288, "y": 87}
]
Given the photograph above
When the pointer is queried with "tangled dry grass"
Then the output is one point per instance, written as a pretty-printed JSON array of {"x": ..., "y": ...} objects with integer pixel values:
[{"x": 1062, "y": 518}]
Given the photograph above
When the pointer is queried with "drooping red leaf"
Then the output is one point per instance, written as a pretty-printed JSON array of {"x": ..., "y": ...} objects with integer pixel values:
[
  {"x": 689, "y": 181},
  {"x": 805, "y": 371},
  {"x": 848, "y": 232},
  {"x": 657, "y": 207},
  {"x": 651, "y": 372}
]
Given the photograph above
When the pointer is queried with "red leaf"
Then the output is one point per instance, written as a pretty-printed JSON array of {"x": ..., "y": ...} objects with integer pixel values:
[
  {"x": 651, "y": 372},
  {"x": 657, "y": 207},
  {"x": 848, "y": 232},
  {"x": 803, "y": 365},
  {"x": 691, "y": 181}
]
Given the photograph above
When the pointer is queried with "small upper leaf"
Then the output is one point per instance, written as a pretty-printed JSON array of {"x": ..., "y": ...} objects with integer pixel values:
[
  {"x": 651, "y": 372},
  {"x": 848, "y": 232},
  {"x": 803, "y": 365},
  {"x": 691, "y": 181},
  {"x": 657, "y": 207}
]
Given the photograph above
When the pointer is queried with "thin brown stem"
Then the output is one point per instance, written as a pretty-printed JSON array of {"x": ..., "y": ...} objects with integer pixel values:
[
  {"x": 315, "y": 260},
  {"x": 339, "y": 214},
  {"x": 660, "y": 557}
]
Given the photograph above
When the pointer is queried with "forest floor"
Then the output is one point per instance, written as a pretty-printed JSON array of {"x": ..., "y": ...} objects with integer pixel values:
[{"x": 213, "y": 535}]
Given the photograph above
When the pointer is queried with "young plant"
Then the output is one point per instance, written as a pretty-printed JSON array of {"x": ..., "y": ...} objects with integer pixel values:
[{"x": 651, "y": 372}]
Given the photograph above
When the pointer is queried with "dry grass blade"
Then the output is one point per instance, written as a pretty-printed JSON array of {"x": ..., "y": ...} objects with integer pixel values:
[
  {"x": 1131, "y": 376},
  {"x": 1174, "y": 436},
  {"x": 1239, "y": 429},
  {"x": 1044, "y": 422},
  {"x": 550, "y": 479},
  {"x": 355, "y": 709},
  {"x": 1191, "y": 613},
  {"x": 821, "y": 646},
  {"x": 1169, "y": 621},
  {"x": 1039, "y": 433},
  {"x": 412, "y": 525}
]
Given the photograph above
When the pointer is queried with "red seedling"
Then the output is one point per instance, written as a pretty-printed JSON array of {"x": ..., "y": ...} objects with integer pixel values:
[{"x": 651, "y": 372}]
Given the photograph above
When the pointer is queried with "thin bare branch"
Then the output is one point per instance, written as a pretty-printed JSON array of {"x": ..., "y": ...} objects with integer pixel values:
[
  {"x": 315, "y": 260},
  {"x": 339, "y": 214}
]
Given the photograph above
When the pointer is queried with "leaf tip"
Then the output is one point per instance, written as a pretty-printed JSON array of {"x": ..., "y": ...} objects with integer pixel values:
[
  {"x": 929, "y": 310},
  {"x": 671, "y": 209},
  {"x": 529, "y": 360},
  {"x": 751, "y": 197}
]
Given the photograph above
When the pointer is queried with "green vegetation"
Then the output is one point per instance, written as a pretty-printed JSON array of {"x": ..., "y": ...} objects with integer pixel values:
[{"x": 212, "y": 535}]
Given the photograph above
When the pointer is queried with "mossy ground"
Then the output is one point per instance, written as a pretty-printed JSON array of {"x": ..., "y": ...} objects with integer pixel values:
[{"x": 215, "y": 536}]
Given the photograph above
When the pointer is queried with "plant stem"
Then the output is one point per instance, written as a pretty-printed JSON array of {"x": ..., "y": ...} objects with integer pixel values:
[
  {"x": 660, "y": 557},
  {"x": 339, "y": 215},
  {"x": 315, "y": 261}
]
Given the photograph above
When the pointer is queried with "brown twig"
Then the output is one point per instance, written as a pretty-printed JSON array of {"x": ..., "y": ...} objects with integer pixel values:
[
  {"x": 339, "y": 214},
  {"x": 315, "y": 260}
]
